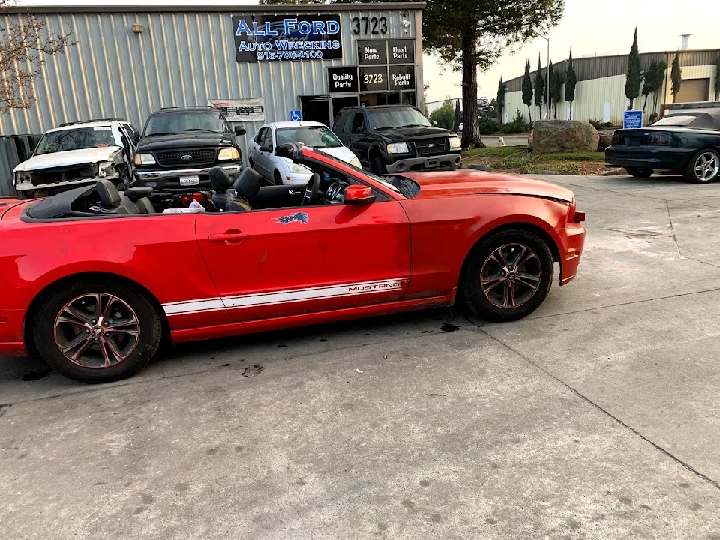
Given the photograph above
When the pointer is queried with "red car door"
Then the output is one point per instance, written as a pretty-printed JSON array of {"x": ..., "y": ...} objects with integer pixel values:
[{"x": 270, "y": 263}]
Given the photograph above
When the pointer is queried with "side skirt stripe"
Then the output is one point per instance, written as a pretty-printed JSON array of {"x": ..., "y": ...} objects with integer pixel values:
[{"x": 282, "y": 297}]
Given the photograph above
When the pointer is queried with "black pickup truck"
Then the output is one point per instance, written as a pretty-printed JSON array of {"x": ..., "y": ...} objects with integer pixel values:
[
  {"x": 179, "y": 146},
  {"x": 396, "y": 139}
]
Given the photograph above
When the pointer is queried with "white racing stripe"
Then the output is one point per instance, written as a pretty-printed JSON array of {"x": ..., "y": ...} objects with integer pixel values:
[{"x": 282, "y": 297}]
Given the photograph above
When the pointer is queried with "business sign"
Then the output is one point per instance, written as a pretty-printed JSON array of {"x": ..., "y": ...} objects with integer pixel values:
[
  {"x": 632, "y": 120},
  {"x": 401, "y": 51},
  {"x": 240, "y": 110},
  {"x": 373, "y": 79},
  {"x": 372, "y": 52},
  {"x": 343, "y": 79},
  {"x": 296, "y": 115},
  {"x": 269, "y": 37},
  {"x": 402, "y": 77}
]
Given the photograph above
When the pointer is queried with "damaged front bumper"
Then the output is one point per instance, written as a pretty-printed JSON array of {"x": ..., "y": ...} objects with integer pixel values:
[{"x": 61, "y": 178}]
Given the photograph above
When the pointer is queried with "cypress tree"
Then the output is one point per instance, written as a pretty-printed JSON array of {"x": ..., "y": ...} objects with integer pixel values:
[
  {"x": 634, "y": 75},
  {"x": 570, "y": 83},
  {"x": 540, "y": 87},
  {"x": 527, "y": 89},
  {"x": 676, "y": 76}
]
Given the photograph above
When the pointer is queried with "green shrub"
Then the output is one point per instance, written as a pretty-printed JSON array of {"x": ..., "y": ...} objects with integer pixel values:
[
  {"x": 517, "y": 125},
  {"x": 488, "y": 126},
  {"x": 597, "y": 124}
]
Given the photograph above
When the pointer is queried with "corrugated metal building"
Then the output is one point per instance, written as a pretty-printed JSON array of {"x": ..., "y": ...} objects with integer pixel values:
[
  {"x": 600, "y": 92},
  {"x": 132, "y": 60}
]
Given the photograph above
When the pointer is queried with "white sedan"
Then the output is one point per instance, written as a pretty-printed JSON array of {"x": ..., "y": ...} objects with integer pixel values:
[{"x": 278, "y": 170}]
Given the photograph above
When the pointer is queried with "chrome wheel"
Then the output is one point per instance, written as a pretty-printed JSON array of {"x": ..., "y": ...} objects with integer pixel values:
[
  {"x": 96, "y": 331},
  {"x": 510, "y": 276},
  {"x": 706, "y": 166}
]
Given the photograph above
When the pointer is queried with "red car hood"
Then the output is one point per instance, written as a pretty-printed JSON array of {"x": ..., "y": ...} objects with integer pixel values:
[{"x": 470, "y": 182}]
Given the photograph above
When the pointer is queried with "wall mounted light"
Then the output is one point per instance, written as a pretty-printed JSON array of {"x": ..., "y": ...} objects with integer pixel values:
[{"x": 137, "y": 28}]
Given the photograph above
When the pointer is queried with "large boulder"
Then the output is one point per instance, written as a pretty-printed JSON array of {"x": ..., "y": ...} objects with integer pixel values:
[{"x": 550, "y": 136}]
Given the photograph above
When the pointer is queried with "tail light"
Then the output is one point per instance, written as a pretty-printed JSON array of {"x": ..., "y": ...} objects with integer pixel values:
[
  {"x": 573, "y": 215},
  {"x": 660, "y": 139},
  {"x": 579, "y": 217}
]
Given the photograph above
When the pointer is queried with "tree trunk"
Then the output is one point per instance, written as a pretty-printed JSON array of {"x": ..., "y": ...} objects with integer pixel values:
[
  {"x": 530, "y": 114},
  {"x": 571, "y": 110},
  {"x": 470, "y": 134}
]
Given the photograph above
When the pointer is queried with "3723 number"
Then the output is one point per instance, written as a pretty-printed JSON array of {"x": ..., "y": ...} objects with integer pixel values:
[
  {"x": 374, "y": 78},
  {"x": 369, "y": 25}
]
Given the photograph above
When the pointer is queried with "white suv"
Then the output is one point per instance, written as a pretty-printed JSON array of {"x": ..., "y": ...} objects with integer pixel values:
[{"x": 76, "y": 154}]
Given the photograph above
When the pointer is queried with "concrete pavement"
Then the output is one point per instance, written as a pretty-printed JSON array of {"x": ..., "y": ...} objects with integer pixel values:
[{"x": 596, "y": 417}]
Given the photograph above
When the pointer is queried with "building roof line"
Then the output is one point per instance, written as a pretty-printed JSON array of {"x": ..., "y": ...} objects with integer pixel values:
[{"x": 224, "y": 8}]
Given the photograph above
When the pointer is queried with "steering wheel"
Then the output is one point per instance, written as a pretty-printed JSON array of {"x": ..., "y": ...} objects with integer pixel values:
[{"x": 312, "y": 189}]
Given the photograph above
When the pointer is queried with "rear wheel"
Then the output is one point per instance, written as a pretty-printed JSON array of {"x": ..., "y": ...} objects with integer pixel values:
[
  {"x": 507, "y": 276},
  {"x": 703, "y": 167},
  {"x": 639, "y": 172},
  {"x": 96, "y": 331}
]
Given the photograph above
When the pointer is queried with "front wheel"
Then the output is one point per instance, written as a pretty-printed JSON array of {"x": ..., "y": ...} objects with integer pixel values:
[
  {"x": 96, "y": 331},
  {"x": 703, "y": 167},
  {"x": 639, "y": 172},
  {"x": 507, "y": 276},
  {"x": 377, "y": 166}
]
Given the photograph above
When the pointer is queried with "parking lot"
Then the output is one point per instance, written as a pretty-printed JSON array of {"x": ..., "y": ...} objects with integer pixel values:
[{"x": 596, "y": 417}]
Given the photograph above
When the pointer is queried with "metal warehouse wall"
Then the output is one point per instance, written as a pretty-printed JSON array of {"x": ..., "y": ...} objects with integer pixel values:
[{"x": 184, "y": 56}]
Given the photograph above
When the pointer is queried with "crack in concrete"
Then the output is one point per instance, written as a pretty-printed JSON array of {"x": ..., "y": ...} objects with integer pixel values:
[
  {"x": 672, "y": 228},
  {"x": 607, "y": 413}
]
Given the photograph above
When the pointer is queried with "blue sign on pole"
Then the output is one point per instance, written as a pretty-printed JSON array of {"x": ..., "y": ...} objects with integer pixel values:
[
  {"x": 633, "y": 120},
  {"x": 295, "y": 116}
]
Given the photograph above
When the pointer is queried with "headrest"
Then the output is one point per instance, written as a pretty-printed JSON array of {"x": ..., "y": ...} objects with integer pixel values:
[
  {"x": 136, "y": 193},
  {"x": 108, "y": 193},
  {"x": 248, "y": 184},
  {"x": 219, "y": 180}
]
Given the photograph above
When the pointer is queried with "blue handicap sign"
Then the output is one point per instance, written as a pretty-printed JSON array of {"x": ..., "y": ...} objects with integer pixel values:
[
  {"x": 633, "y": 120},
  {"x": 295, "y": 116}
]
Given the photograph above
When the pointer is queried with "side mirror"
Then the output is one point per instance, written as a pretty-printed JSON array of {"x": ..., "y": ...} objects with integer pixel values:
[
  {"x": 357, "y": 194},
  {"x": 239, "y": 131}
]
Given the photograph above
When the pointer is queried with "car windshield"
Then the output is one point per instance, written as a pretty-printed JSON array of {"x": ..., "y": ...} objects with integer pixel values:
[
  {"x": 172, "y": 123},
  {"x": 396, "y": 117},
  {"x": 65, "y": 140},
  {"x": 313, "y": 136}
]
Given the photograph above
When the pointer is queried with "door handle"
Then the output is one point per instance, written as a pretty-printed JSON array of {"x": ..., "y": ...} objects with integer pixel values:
[{"x": 231, "y": 235}]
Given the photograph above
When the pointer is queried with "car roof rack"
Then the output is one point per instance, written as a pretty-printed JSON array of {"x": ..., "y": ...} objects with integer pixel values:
[{"x": 93, "y": 120}]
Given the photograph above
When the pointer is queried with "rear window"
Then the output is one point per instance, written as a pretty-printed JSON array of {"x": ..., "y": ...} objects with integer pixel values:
[{"x": 697, "y": 121}]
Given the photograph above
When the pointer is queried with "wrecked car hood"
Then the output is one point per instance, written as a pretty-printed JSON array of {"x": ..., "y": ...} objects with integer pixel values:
[
  {"x": 71, "y": 157},
  {"x": 470, "y": 182}
]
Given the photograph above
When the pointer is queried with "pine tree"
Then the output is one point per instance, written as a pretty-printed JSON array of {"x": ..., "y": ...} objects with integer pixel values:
[
  {"x": 556, "y": 93},
  {"x": 570, "y": 83},
  {"x": 458, "y": 117},
  {"x": 500, "y": 100},
  {"x": 634, "y": 75},
  {"x": 676, "y": 76},
  {"x": 539, "y": 87},
  {"x": 527, "y": 89}
]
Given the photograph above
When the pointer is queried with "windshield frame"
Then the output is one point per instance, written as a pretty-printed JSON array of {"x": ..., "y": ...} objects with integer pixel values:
[
  {"x": 60, "y": 132},
  {"x": 321, "y": 128},
  {"x": 163, "y": 121},
  {"x": 374, "y": 114}
]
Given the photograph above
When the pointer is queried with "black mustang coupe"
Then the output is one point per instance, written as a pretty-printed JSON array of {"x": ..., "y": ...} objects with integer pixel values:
[{"x": 686, "y": 141}]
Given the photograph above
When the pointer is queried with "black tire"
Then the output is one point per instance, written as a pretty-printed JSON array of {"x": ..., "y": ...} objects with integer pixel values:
[
  {"x": 486, "y": 281},
  {"x": 704, "y": 167},
  {"x": 66, "y": 316},
  {"x": 377, "y": 166},
  {"x": 25, "y": 195},
  {"x": 639, "y": 172}
]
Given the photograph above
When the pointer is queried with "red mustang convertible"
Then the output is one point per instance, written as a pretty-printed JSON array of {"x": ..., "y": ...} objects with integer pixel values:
[{"x": 95, "y": 280}]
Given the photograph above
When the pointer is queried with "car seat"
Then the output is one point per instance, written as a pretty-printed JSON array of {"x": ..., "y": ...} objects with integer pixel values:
[
  {"x": 110, "y": 200},
  {"x": 246, "y": 187},
  {"x": 220, "y": 184},
  {"x": 138, "y": 197}
]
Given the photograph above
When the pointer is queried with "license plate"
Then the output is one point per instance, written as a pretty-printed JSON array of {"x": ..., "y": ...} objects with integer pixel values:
[{"x": 189, "y": 181}]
